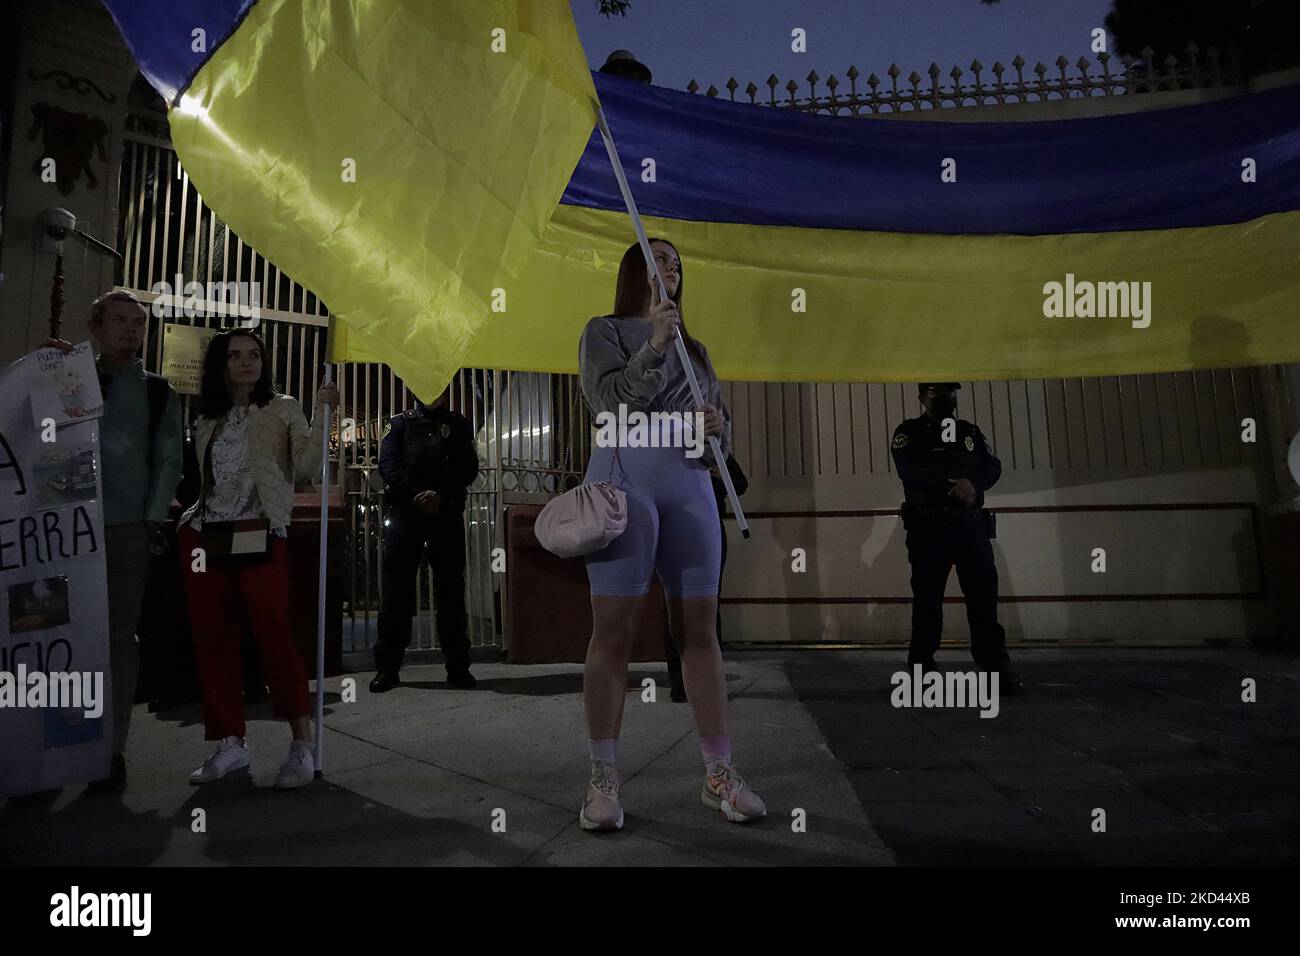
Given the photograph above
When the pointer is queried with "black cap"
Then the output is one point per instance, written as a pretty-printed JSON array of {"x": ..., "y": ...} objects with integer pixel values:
[
  {"x": 924, "y": 385},
  {"x": 623, "y": 63}
]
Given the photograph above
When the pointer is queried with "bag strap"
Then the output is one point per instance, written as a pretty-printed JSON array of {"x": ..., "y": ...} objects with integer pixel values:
[
  {"x": 567, "y": 457},
  {"x": 207, "y": 473}
]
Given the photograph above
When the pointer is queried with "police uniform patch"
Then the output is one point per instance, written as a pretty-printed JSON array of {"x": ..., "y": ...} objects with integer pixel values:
[
  {"x": 445, "y": 430},
  {"x": 970, "y": 443},
  {"x": 387, "y": 428},
  {"x": 900, "y": 439}
]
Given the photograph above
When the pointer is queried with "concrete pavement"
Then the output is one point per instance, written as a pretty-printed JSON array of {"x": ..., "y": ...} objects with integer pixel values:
[
  {"x": 1186, "y": 772},
  {"x": 419, "y": 776}
]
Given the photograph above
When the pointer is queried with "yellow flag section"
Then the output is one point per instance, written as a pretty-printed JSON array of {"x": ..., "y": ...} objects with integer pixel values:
[
  {"x": 400, "y": 158},
  {"x": 795, "y": 304}
]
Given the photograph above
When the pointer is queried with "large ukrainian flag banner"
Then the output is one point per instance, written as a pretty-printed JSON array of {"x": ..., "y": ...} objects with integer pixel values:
[
  {"x": 814, "y": 248},
  {"x": 400, "y": 158},
  {"x": 906, "y": 276}
]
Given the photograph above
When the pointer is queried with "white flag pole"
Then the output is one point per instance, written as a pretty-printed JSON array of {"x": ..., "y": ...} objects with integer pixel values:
[
  {"x": 723, "y": 471},
  {"x": 328, "y": 413}
]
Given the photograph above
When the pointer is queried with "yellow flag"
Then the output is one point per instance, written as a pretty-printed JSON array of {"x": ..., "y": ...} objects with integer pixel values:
[{"x": 399, "y": 158}]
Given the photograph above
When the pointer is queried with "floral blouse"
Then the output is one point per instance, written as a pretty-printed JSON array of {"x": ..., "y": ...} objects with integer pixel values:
[{"x": 233, "y": 495}]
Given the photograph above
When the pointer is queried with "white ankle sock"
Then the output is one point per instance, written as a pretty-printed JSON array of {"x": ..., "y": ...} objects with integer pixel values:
[
  {"x": 716, "y": 751},
  {"x": 606, "y": 751}
]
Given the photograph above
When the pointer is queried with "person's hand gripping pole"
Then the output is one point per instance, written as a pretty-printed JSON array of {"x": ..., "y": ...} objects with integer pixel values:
[{"x": 698, "y": 395}]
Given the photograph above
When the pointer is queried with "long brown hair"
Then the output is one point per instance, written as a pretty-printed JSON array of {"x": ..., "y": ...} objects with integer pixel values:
[
  {"x": 632, "y": 296},
  {"x": 214, "y": 388}
]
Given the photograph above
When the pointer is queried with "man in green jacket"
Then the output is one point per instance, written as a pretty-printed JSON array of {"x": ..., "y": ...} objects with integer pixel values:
[{"x": 140, "y": 445}]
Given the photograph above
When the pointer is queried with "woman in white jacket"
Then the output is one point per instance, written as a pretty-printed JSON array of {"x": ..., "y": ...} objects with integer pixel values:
[{"x": 253, "y": 446}]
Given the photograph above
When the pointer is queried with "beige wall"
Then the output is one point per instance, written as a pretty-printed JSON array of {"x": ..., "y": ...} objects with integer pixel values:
[{"x": 1083, "y": 461}]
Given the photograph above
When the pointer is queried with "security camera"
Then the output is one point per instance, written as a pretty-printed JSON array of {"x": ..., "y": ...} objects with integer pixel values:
[
  {"x": 57, "y": 223},
  {"x": 54, "y": 225}
]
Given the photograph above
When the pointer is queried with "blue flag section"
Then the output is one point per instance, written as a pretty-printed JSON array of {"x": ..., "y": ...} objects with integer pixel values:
[
  {"x": 171, "y": 39},
  {"x": 717, "y": 161}
]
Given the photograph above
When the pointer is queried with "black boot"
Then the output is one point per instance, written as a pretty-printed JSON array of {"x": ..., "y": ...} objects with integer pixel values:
[
  {"x": 461, "y": 679},
  {"x": 384, "y": 681},
  {"x": 928, "y": 666}
]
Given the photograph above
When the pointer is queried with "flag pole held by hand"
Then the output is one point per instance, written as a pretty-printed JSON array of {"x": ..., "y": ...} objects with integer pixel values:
[
  {"x": 723, "y": 471},
  {"x": 328, "y": 413}
]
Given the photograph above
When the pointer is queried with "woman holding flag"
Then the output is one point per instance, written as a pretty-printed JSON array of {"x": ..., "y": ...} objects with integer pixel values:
[
  {"x": 672, "y": 529},
  {"x": 254, "y": 445}
]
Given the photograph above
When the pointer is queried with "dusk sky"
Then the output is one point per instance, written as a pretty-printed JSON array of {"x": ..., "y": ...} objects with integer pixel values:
[{"x": 711, "y": 40}]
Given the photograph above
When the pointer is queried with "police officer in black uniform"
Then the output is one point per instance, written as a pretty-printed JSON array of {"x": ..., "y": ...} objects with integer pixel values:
[
  {"x": 427, "y": 459},
  {"x": 946, "y": 465}
]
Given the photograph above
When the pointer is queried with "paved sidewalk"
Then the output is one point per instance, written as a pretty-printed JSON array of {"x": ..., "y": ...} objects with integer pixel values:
[
  {"x": 1186, "y": 772},
  {"x": 415, "y": 776}
]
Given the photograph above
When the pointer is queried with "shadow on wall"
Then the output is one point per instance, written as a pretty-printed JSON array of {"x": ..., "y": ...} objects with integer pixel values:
[
  {"x": 885, "y": 543},
  {"x": 1009, "y": 612},
  {"x": 791, "y": 533}
]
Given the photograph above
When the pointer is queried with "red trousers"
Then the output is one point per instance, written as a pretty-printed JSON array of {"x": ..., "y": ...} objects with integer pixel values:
[{"x": 216, "y": 597}]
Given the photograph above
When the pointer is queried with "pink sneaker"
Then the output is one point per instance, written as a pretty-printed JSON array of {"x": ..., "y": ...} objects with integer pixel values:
[{"x": 725, "y": 790}]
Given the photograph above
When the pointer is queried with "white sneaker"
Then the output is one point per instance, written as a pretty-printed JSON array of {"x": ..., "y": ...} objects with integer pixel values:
[
  {"x": 299, "y": 768},
  {"x": 231, "y": 755},
  {"x": 601, "y": 809}
]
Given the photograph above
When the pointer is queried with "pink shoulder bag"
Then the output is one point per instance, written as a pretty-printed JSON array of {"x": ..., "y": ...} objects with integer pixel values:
[{"x": 583, "y": 519}]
